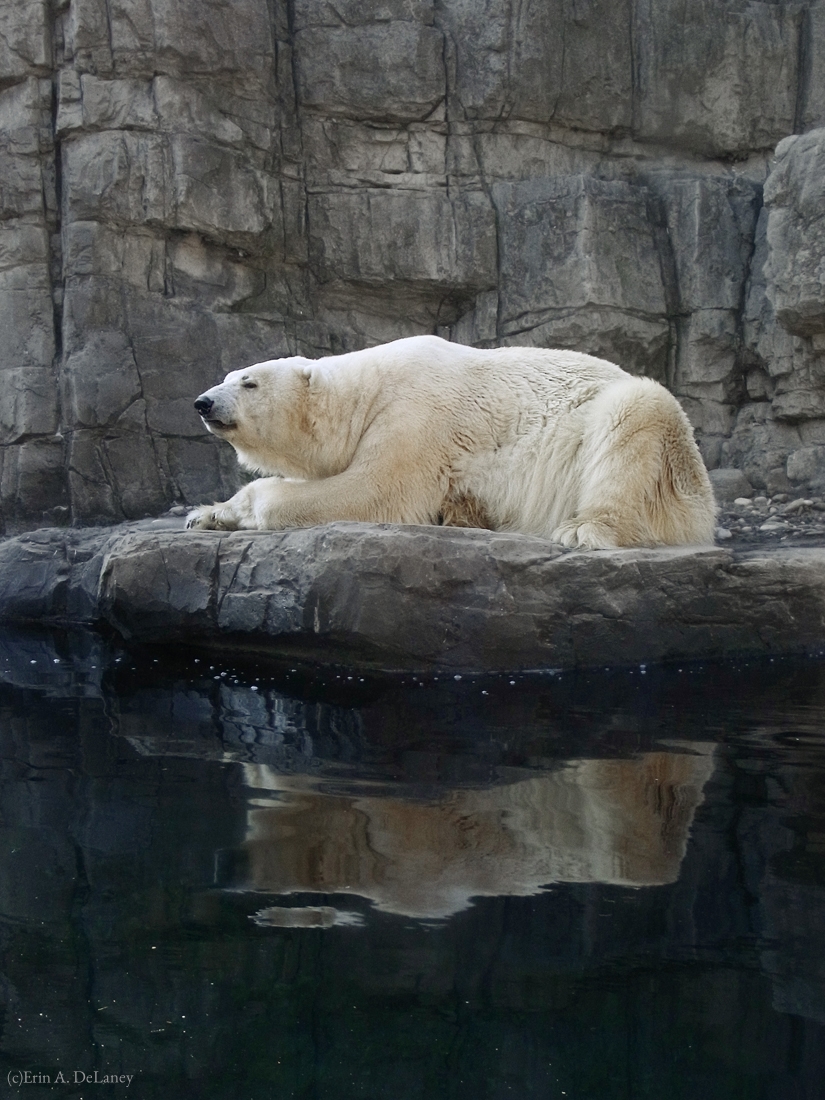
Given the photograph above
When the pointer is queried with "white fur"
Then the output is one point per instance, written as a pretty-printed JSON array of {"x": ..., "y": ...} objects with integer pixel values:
[{"x": 551, "y": 443}]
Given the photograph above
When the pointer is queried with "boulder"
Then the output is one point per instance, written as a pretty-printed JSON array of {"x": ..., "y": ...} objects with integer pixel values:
[{"x": 728, "y": 484}]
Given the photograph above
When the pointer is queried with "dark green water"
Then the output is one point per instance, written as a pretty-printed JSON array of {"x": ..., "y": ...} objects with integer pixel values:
[{"x": 595, "y": 886}]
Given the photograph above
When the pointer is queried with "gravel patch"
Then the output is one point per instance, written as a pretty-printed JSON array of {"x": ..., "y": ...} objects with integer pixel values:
[{"x": 767, "y": 521}]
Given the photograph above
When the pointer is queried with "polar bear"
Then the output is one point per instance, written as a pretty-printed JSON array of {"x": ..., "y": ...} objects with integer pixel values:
[{"x": 550, "y": 443}]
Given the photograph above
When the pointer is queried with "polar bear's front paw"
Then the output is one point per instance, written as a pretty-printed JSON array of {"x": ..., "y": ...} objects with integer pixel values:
[
  {"x": 209, "y": 517},
  {"x": 202, "y": 519}
]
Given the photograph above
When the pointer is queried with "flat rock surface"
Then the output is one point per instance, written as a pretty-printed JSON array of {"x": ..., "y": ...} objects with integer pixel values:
[{"x": 392, "y": 598}]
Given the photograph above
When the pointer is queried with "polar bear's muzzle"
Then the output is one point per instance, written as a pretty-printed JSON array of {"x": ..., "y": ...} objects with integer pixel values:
[{"x": 212, "y": 414}]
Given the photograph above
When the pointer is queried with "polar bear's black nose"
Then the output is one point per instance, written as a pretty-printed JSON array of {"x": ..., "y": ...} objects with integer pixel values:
[{"x": 203, "y": 405}]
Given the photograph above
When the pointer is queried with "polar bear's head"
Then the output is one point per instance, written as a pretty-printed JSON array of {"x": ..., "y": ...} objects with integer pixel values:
[{"x": 264, "y": 412}]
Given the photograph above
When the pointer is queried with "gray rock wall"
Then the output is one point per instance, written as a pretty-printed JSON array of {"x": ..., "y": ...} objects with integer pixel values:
[{"x": 190, "y": 185}]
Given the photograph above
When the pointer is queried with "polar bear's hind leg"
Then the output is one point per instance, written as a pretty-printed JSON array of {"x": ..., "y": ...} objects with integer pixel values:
[{"x": 642, "y": 479}]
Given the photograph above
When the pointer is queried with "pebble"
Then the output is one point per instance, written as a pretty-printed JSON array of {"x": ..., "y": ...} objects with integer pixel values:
[{"x": 795, "y": 506}]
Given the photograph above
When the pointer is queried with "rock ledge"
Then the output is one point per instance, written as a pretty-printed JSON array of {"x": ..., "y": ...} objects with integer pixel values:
[{"x": 391, "y": 598}]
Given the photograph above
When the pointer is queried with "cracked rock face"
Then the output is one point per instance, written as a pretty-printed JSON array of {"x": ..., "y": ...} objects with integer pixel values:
[{"x": 188, "y": 186}]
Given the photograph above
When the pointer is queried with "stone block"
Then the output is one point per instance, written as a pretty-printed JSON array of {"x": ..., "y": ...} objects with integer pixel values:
[
  {"x": 93, "y": 497},
  {"x": 728, "y": 484},
  {"x": 596, "y": 91},
  {"x": 812, "y": 431},
  {"x": 193, "y": 37},
  {"x": 759, "y": 321},
  {"x": 783, "y": 360},
  {"x": 800, "y": 402},
  {"x": 807, "y": 465},
  {"x": 24, "y": 38},
  {"x": 201, "y": 470},
  {"x": 759, "y": 446},
  {"x": 26, "y": 150},
  {"x": 86, "y": 34},
  {"x": 536, "y": 62},
  {"x": 424, "y": 237},
  {"x": 710, "y": 223},
  {"x": 386, "y": 72},
  {"x": 86, "y": 102},
  {"x": 135, "y": 258},
  {"x": 357, "y": 13},
  {"x": 205, "y": 111},
  {"x": 100, "y": 379},
  {"x": 176, "y": 37},
  {"x": 795, "y": 197},
  {"x": 575, "y": 243},
  {"x": 717, "y": 78},
  {"x": 478, "y": 327},
  {"x": 707, "y": 411},
  {"x": 22, "y": 244},
  {"x": 209, "y": 275},
  {"x": 218, "y": 192},
  {"x": 91, "y": 304},
  {"x": 708, "y": 343},
  {"x": 26, "y": 318},
  {"x": 33, "y": 489},
  {"x": 758, "y": 384},
  {"x": 506, "y": 64},
  {"x": 812, "y": 96},
  {"x": 388, "y": 153},
  {"x": 117, "y": 177},
  {"x": 165, "y": 333},
  {"x": 127, "y": 178},
  {"x": 28, "y": 403},
  {"x": 130, "y": 461},
  {"x": 377, "y": 597},
  {"x": 639, "y": 345}
]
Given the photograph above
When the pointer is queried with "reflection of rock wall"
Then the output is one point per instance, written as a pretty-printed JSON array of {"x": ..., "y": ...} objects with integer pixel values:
[
  {"x": 623, "y": 822},
  {"x": 188, "y": 186}
]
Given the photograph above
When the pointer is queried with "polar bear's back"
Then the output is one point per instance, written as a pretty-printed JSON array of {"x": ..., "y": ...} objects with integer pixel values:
[
  {"x": 535, "y": 381},
  {"x": 433, "y": 353}
]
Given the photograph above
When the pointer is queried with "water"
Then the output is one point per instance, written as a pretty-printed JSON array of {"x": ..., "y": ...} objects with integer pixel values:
[{"x": 230, "y": 882}]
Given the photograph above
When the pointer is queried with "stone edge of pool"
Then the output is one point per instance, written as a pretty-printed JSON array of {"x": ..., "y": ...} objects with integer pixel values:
[{"x": 392, "y": 598}]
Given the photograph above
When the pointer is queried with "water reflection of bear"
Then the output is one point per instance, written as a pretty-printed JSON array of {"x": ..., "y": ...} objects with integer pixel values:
[{"x": 624, "y": 822}]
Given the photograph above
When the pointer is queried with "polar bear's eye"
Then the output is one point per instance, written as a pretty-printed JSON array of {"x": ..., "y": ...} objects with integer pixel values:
[{"x": 247, "y": 385}]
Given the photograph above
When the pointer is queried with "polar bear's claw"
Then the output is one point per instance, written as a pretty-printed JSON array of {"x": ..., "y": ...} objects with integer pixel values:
[
  {"x": 202, "y": 519},
  {"x": 587, "y": 535}
]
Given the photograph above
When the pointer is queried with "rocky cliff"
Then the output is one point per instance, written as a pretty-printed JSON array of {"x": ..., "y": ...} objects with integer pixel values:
[{"x": 190, "y": 185}]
